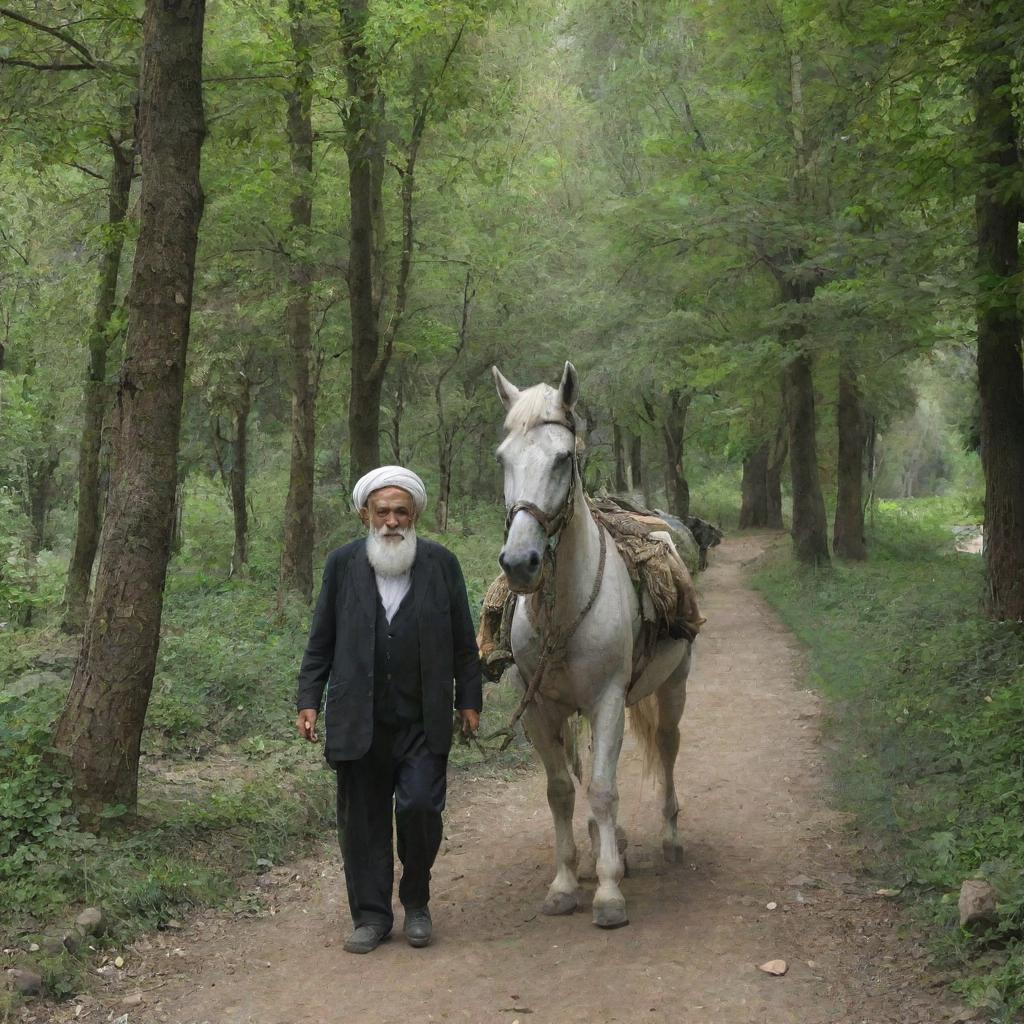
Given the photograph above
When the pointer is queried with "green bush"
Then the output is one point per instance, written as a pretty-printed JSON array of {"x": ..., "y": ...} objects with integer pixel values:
[{"x": 38, "y": 832}]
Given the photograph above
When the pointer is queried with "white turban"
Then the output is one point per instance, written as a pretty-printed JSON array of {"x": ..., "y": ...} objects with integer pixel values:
[{"x": 390, "y": 476}]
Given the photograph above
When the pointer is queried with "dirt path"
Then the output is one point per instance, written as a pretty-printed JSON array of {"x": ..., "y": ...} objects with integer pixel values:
[{"x": 757, "y": 829}]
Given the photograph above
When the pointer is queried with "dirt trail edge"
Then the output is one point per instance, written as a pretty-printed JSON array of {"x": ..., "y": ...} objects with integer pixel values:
[{"x": 758, "y": 832}]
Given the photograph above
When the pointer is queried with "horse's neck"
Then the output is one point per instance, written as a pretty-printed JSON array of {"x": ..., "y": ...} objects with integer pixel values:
[{"x": 577, "y": 557}]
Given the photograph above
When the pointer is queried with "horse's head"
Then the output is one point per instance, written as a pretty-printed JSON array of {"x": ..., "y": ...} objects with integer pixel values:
[{"x": 539, "y": 459}]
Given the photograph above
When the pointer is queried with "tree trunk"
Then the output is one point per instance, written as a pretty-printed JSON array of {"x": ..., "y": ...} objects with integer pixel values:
[
  {"x": 773, "y": 487},
  {"x": 635, "y": 469},
  {"x": 998, "y": 208},
  {"x": 871, "y": 460},
  {"x": 41, "y": 469},
  {"x": 754, "y": 489},
  {"x": 448, "y": 430},
  {"x": 362, "y": 150},
  {"x": 297, "y": 547},
  {"x": 100, "y": 728},
  {"x": 618, "y": 443},
  {"x": 677, "y": 490},
  {"x": 397, "y": 412},
  {"x": 848, "y": 532},
  {"x": 94, "y": 403},
  {"x": 238, "y": 479},
  {"x": 444, "y": 481},
  {"x": 810, "y": 527}
]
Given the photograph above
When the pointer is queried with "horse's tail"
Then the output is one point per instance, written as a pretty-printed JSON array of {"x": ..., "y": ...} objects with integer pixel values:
[{"x": 643, "y": 720}]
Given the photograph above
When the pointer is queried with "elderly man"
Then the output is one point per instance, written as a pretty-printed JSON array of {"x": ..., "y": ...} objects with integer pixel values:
[{"x": 391, "y": 633}]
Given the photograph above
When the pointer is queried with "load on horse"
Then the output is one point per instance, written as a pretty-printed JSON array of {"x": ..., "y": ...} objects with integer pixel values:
[{"x": 590, "y": 631}]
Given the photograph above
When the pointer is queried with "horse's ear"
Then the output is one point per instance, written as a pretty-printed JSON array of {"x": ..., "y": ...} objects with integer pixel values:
[
  {"x": 569, "y": 389},
  {"x": 507, "y": 391}
]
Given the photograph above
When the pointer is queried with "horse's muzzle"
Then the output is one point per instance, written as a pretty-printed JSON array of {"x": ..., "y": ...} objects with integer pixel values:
[{"x": 522, "y": 571}]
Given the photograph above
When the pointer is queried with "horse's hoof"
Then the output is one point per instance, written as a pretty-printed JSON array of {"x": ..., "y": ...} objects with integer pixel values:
[
  {"x": 611, "y": 915},
  {"x": 558, "y": 903},
  {"x": 672, "y": 852}
]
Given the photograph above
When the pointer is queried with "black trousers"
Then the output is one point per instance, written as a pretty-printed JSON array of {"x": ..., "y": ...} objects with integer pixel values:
[{"x": 397, "y": 774}]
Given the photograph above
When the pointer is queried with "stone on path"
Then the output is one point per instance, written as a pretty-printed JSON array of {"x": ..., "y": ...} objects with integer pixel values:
[
  {"x": 25, "y": 981},
  {"x": 977, "y": 903},
  {"x": 90, "y": 921}
]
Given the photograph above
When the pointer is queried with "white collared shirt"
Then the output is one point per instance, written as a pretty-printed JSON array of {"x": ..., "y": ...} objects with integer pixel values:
[{"x": 392, "y": 590}]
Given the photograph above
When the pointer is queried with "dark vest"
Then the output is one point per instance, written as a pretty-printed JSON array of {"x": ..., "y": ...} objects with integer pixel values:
[{"x": 397, "y": 688}]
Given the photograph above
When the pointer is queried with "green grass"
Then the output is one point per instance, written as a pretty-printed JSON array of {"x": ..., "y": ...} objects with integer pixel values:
[{"x": 926, "y": 726}]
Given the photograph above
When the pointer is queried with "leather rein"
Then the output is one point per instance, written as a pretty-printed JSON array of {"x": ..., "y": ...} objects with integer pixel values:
[{"x": 554, "y": 640}]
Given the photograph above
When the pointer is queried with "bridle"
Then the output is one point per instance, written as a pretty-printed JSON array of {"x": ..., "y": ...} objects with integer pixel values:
[
  {"x": 554, "y": 640},
  {"x": 554, "y": 524}
]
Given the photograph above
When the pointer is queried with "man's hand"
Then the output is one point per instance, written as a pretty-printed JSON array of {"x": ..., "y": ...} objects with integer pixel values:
[
  {"x": 470, "y": 721},
  {"x": 306, "y": 723}
]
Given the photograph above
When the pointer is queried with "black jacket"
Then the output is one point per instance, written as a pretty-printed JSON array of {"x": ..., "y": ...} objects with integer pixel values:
[{"x": 340, "y": 651}]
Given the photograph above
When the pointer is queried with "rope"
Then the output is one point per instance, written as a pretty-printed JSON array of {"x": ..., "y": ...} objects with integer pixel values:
[{"x": 554, "y": 642}]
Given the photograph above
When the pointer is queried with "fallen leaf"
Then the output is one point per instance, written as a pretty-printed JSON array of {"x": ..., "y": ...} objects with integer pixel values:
[
  {"x": 771, "y": 906},
  {"x": 119, "y": 962},
  {"x": 887, "y": 892},
  {"x": 776, "y": 967}
]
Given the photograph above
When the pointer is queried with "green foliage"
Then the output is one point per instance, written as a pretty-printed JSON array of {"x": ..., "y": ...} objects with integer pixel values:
[
  {"x": 38, "y": 834},
  {"x": 928, "y": 723}
]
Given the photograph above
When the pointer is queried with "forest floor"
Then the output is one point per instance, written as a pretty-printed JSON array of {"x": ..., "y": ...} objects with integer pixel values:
[{"x": 759, "y": 830}]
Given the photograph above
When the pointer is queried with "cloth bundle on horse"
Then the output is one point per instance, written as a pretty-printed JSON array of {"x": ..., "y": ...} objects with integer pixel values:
[
  {"x": 663, "y": 585},
  {"x": 579, "y": 636}
]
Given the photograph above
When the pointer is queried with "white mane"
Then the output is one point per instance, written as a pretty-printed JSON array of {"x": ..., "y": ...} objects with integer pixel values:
[
  {"x": 540, "y": 404},
  {"x": 533, "y": 406}
]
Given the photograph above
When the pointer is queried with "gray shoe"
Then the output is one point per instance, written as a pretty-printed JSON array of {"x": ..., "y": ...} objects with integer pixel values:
[
  {"x": 418, "y": 927},
  {"x": 366, "y": 938}
]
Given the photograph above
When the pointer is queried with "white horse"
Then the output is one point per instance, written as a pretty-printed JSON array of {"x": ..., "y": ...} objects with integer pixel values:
[{"x": 590, "y": 670}]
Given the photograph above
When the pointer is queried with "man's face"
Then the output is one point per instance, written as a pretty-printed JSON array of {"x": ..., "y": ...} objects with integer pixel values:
[{"x": 389, "y": 512}]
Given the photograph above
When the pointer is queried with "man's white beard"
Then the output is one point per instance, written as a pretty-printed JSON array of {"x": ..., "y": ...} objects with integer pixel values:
[{"x": 391, "y": 557}]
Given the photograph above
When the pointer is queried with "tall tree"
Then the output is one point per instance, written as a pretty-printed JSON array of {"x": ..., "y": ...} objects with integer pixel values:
[
  {"x": 100, "y": 727},
  {"x": 297, "y": 549},
  {"x": 96, "y": 390},
  {"x": 999, "y": 205},
  {"x": 364, "y": 148},
  {"x": 677, "y": 489},
  {"x": 848, "y": 529}
]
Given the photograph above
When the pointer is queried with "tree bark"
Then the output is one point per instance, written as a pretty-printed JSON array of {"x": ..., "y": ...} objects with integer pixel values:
[
  {"x": 447, "y": 429},
  {"x": 94, "y": 402},
  {"x": 776, "y": 462},
  {"x": 236, "y": 475},
  {"x": 362, "y": 147},
  {"x": 761, "y": 488},
  {"x": 618, "y": 443},
  {"x": 635, "y": 469},
  {"x": 754, "y": 489},
  {"x": 848, "y": 531},
  {"x": 297, "y": 546},
  {"x": 41, "y": 469},
  {"x": 998, "y": 208},
  {"x": 810, "y": 527},
  {"x": 100, "y": 728},
  {"x": 239, "y": 480},
  {"x": 677, "y": 489}
]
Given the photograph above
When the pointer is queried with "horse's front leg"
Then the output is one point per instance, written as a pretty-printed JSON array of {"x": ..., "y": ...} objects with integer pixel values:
[
  {"x": 544, "y": 727},
  {"x": 607, "y": 720}
]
